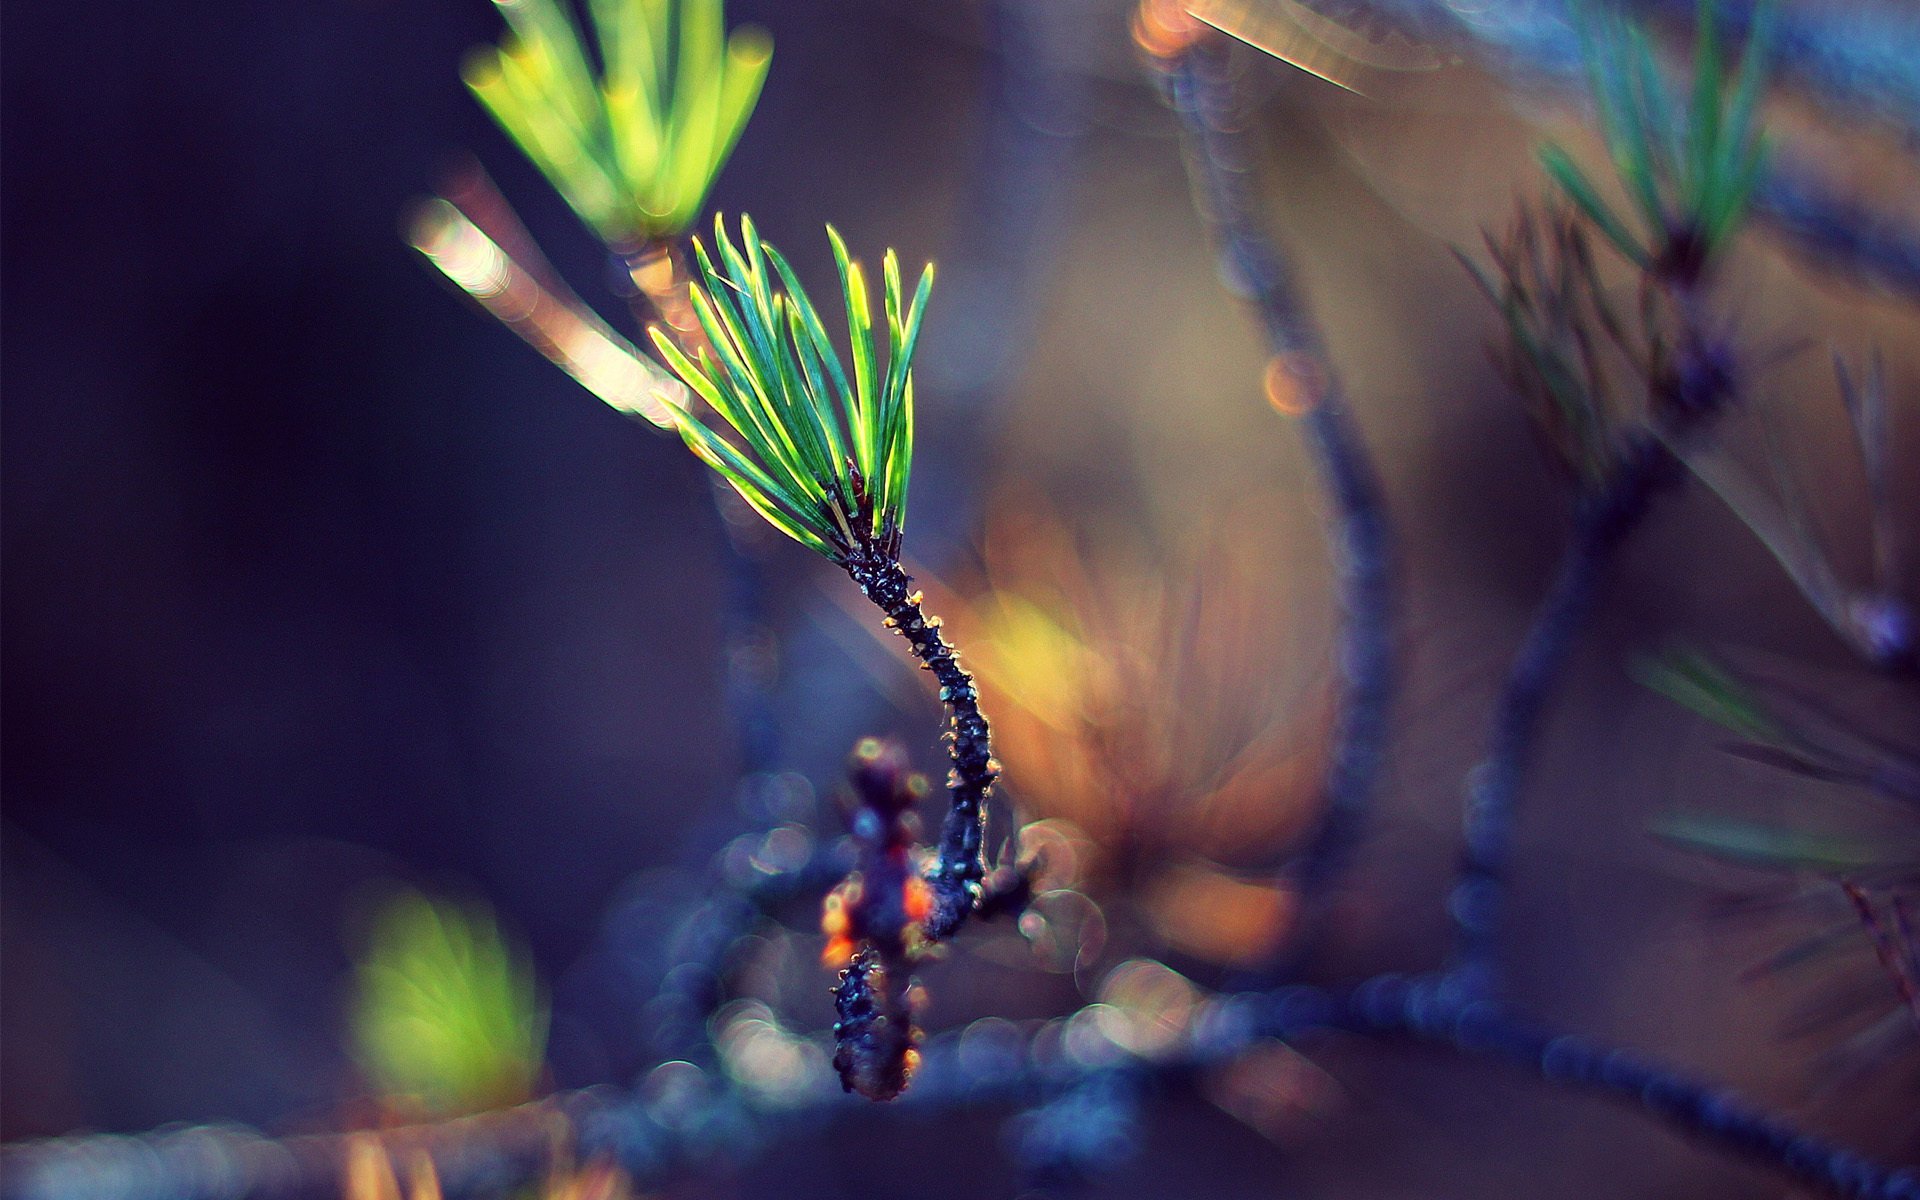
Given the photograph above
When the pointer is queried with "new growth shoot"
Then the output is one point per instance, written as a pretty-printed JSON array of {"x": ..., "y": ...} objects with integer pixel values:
[
  {"x": 825, "y": 455},
  {"x": 1688, "y": 167},
  {"x": 825, "y": 460}
]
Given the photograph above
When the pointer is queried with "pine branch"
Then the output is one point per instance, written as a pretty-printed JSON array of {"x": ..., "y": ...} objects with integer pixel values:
[
  {"x": 722, "y": 1125},
  {"x": 1604, "y": 518},
  {"x": 1194, "y": 72},
  {"x": 1857, "y": 59},
  {"x": 960, "y": 868}
]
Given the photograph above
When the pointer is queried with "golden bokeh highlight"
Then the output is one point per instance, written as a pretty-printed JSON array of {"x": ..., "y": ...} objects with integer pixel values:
[
  {"x": 1294, "y": 383},
  {"x": 1142, "y": 711},
  {"x": 1165, "y": 29}
]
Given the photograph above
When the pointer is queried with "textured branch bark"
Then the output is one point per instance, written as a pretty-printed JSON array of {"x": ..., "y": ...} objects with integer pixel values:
[{"x": 961, "y": 866}]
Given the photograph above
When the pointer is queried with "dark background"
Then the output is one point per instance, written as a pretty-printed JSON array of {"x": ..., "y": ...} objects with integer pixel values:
[
  {"x": 314, "y": 575},
  {"x": 314, "y": 578}
]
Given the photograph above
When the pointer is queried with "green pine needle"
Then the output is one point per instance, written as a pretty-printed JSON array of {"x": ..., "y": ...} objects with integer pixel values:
[
  {"x": 1697, "y": 682},
  {"x": 1573, "y": 181},
  {"x": 826, "y": 461},
  {"x": 635, "y": 147},
  {"x": 1688, "y": 162},
  {"x": 1769, "y": 846}
]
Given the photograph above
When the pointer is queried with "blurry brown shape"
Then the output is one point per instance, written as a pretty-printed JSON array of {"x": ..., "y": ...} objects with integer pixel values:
[
  {"x": 660, "y": 276},
  {"x": 598, "y": 1180},
  {"x": 1273, "y": 1090},
  {"x": 1294, "y": 383},
  {"x": 1209, "y": 913},
  {"x": 369, "y": 1170},
  {"x": 1150, "y": 705},
  {"x": 425, "y": 1179}
]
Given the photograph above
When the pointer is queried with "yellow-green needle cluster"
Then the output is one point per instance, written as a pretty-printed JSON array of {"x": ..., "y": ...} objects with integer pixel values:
[
  {"x": 825, "y": 458},
  {"x": 634, "y": 146}
]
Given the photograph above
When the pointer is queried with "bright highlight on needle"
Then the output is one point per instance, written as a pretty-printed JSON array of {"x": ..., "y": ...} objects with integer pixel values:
[
  {"x": 563, "y": 329},
  {"x": 1319, "y": 45}
]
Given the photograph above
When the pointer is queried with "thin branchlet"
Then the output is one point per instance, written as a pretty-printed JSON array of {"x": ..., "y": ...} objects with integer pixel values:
[
  {"x": 825, "y": 455},
  {"x": 1685, "y": 369},
  {"x": 1604, "y": 517},
  {"x": 873, "y": 923},
  {"x": 1194, "y": 72},
  {"x": 959, "y": 867},
  {"x": 1688, "y": 374}
]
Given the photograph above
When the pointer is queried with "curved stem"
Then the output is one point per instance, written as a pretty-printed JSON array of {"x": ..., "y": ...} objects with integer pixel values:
[
  {"x": 659, "y": 274},
  {"x": 957, "y": 875},
  {"x": 1219, "y": 164},
  {"x": 1602, "y": 521}
]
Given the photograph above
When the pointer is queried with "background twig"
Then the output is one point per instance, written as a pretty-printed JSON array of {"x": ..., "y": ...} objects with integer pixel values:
[
  {"x": 1603, "y": 519},
  {"x": 502, "y": 1149},
  {"x": 1200, "y": 91}
]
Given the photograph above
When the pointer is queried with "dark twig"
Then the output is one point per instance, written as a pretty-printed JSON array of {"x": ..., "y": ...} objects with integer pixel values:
[
  {"x": 1440, "y": 1012},
  {"x": 1887, "y": 946},
  {"x": 961, "y": 865},
  {"x": 1199, "y": 89},
  {"x": 1004, "y": 243},
  {"x": 873, "y": 921},
  {"x": 501, "y": 1150},
  {"x": 1005, "y": 238},
  {"x": 1603, "y": 518}
]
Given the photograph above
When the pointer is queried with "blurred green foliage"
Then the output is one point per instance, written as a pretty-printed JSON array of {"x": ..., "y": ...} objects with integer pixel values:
[
  {"x": 447, "y": 1016},
  {"x": 635, "y": 146},
  {"x": 1707, "y": 687},
  {"x": 1696, "y": 681},
  {"x": 1753, "y": 844},
  {"x": 1688, "y": 166}
]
